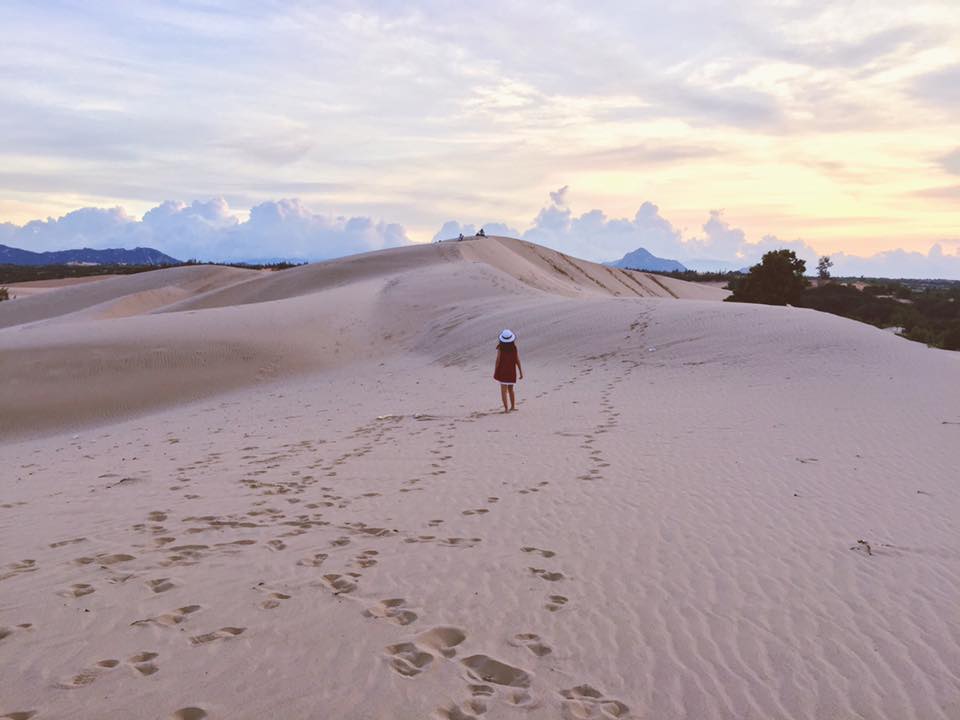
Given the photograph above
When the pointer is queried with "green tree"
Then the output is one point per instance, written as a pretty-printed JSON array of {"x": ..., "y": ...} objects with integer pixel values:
[
  {"x": 776, "y": 280},
  {"x": 951, "y": 338},
  {"x": 823, "y": 267},
  {"x": 4, "y": 294}
]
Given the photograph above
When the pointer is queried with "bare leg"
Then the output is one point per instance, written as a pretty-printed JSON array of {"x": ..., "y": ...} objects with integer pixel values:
[
  {"x": 513, "y": 400},
  {"x": 503, "y": 396}
]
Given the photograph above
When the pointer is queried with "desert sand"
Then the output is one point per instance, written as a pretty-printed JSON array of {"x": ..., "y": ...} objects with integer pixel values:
[
  {"x": 38, "y": 287},
  {"x": 233, "y": 494}
]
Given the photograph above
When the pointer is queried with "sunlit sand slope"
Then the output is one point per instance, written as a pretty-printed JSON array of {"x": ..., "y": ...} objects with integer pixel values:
[{"x": 127, "y": 344}]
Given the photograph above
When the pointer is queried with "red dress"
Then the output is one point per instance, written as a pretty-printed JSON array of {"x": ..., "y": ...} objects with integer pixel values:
[{"x": 506, "y": 370}]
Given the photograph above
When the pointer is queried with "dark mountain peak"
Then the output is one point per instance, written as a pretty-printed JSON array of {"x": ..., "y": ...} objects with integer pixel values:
[{"x": 642, "y": 259}]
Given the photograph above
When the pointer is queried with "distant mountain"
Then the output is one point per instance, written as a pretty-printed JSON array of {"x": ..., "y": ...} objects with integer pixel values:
[
  {"x": 86, "y": 256},
  {"x": 641, "y": 259}
]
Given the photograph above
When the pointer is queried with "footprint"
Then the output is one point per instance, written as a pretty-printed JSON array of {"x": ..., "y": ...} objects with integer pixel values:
[
  {"x": 393, "y": 609},
  {"x": 408, "y": 660},
  {"x": 189, "y": 713},
  {"x": 545, "y": 575},
  {"x": 366, "y": 559},
  {"x": 169, "y": 619},
  {"x": 274, "y": 600},
  {"x": 233, "y": 546},
  {"x": 538, "y": 551},
  {"x": 77, "y": 590},
  {"x": 532, "y": 643},
  {"x": 67, "y": 542},
  {"x": 469, "y": 710},
  {"x": 142, "y": 662},
  {"x": 222, "y": 634},
  {"x": 479, "y": 511},
  {"x": 19, "y": 715},
  {"x": 81, "y": 679},
  {"x": 157, "y": 516},
  {"x": 584, "y": 702},
  {"x": 276, "y": 544},
  {"x": 443, "y": 640},
  {"x": 459, "y": 542},
  {"x": 5, "y": 632},
  {"x": 160, "y": 585},
  {"x": 521, "y": 699},
  {"x": 340, "y": 584},
  {"x": 360, "y": 528},
  {"x": 485, "y": 669},
  {"x": 315, "y": 561},
  {"x": 555, "y": 603},
  {"x": 108, "y": 663}
]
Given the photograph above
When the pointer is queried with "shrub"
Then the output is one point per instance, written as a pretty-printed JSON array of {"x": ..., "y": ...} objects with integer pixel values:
[
  {"x": 4, "y": 294},
  {"x": 776, "y": 280},
  {"x": 951, "y": 338}
]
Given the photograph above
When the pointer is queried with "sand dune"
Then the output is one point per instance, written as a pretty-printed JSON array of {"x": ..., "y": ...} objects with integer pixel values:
[
  {"x": 30, "y": 288},
  {"x": 105, "y": 294},
  {"x": 314, "y": 508},
  {"x": 63, "y": 364}
]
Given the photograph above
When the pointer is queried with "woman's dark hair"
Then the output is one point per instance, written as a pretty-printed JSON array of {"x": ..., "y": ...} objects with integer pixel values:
[{"x": 507, "y": 345}]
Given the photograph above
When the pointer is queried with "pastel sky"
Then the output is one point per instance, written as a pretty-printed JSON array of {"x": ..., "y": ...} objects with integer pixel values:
[{"x": 832, "y": 125}]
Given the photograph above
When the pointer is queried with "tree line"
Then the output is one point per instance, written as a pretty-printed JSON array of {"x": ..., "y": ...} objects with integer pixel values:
[{"x": 929, "y": 314}]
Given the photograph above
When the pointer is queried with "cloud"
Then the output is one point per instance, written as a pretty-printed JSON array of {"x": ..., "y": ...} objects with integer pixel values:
[
  {"x": 721, "y": 246},
  {"x": 85, "y": 227},
  {"x": 753, "y": 252},
  {"x": 647, "y": 154},
  {"x": 941, "y": 87},
  {"x": 209, "y": 230},
  {"x": 859, "y": 52},
  {"x": 951, "y": 162},
  {"x": 370, "y": 106},
  {"x": 559, "y": 197},
  {"x": 946, "y": 192},
  {"x": 452, "y": 229},
  {"x": 900, "y": 264},
  {"x": 719, "y": 241}
]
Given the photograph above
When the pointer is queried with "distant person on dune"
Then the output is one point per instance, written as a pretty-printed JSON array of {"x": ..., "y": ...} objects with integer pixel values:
[
  {"x": 505, "y": 372},
  {"x": 481, "y": 233}
]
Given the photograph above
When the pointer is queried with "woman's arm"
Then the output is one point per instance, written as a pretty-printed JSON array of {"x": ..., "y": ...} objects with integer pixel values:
[{"x": 519, "y": 367}]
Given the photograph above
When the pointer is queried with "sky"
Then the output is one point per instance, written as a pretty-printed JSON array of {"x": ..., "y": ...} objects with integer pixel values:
[{"x": 699, "y": 129}]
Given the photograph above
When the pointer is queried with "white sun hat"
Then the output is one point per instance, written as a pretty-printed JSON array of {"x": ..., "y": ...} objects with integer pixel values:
[{"x": 507, "y": 336}]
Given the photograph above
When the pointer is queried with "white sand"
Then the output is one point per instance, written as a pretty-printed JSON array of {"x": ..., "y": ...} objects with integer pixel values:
[
  {"x": 30, "y": 288},
  {"x": 291, "y": 495}
]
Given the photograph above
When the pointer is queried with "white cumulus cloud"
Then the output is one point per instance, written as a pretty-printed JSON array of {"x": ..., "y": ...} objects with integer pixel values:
[
  {"x": 209, "y": 230},
  {"x": 721, "y": 246}
]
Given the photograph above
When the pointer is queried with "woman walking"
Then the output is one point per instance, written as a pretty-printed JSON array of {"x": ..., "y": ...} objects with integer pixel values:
[{"x": 505, "y": 372}]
